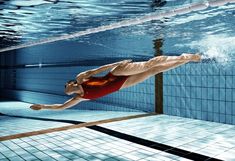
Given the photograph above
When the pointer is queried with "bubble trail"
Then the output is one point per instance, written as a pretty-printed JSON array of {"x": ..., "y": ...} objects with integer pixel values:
[{"x": 125, "y": 23}]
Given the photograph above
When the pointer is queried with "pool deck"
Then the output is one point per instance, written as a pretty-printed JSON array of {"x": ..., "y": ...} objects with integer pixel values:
[{"x": 156, "y": 137}]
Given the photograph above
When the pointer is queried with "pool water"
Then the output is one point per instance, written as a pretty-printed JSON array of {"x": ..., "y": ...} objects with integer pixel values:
[{"x": 198, "y": 98}]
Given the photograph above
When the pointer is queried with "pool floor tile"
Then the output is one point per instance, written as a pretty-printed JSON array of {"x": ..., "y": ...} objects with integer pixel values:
[{"x": 207, "y": 138}]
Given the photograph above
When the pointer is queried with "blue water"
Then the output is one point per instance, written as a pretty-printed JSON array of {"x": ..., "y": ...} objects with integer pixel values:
[
  {"x": 208, "y": 90},
  {"x": 26, "y": 21}
]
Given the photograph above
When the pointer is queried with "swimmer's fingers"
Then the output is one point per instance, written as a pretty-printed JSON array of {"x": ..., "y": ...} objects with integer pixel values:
[{"x": 36, "y": 107}]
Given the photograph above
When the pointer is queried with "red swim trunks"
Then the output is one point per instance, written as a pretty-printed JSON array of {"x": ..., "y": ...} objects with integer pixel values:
[{"x": 97, "y": 87}]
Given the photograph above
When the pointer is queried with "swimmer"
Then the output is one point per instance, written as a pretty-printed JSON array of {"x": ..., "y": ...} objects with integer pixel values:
[{"x": 122, "y": 75}]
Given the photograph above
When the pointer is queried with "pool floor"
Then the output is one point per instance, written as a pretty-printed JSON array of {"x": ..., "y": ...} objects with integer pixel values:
[{"x": 156, "y": 137}]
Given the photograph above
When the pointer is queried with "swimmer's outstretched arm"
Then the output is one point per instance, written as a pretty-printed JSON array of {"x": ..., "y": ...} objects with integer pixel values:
[
  {"x": 71, "y": 102},
  {"x": 84, "y": 75}
]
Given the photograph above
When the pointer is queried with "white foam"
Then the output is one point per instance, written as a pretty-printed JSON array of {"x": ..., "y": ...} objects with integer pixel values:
[{"x": 220, "y": 47}]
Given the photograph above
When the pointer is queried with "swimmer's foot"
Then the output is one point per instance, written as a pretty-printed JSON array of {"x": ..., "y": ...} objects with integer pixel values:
[
  {"x": 206, "y": 58},
  {"x": 193, "y": 57}
]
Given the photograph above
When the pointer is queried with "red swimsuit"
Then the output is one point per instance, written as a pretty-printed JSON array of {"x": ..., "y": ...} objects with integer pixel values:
[{"x": 97, "y": 87}]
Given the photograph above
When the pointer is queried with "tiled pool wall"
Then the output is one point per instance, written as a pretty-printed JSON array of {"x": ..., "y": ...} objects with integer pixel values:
[
  {"x": 46, "y": 84},
  {"x": 202, "y": 91}
]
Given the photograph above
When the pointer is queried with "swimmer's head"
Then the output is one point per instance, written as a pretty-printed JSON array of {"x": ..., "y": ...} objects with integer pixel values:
[{"x": 71, "y": 87}]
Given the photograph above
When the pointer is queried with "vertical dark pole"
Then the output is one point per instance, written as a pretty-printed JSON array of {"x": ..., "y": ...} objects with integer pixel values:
[
  {"x": 14, "y": 71},
  {"x": 158, "y": 80}
]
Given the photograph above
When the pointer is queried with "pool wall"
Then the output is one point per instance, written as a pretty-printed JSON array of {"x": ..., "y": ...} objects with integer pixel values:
[
  {"x": 202, "y": 91},
  {"x": 46, "y": 84}
]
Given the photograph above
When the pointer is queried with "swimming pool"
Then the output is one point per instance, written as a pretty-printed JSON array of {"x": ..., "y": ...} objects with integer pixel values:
[
  {"x": 116, "y": 127},
  {"x": 203, "y": 91}
]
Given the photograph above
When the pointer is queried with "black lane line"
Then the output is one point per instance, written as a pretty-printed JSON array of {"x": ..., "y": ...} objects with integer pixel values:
[
  {"x": 151, "y": 144},
  {"x": 154, "y": 145}
]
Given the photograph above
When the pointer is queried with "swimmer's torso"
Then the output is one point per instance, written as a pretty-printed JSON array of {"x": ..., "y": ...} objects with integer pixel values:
[{"x": 97, "y": 87}]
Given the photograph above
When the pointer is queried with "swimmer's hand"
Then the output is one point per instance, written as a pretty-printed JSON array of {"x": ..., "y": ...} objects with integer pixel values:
[{"x": 36, "y": 107}]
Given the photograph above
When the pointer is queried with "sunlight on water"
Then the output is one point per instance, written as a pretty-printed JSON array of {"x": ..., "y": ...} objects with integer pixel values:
[{"x": 125, "y": 23}]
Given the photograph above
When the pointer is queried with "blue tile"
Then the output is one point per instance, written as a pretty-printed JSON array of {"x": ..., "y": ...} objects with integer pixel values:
[
  {"x": 182, "y": 102},
  {"x": 183, "y": 113},
  {"x": 233, "y": 94},
  {"x": 204, "y": 105},
  {"x": 222, "y": 118},
  {"x": 229, "y": 81},
  {"x": 216, "y": 117},
  {"x": 210, "y": 106},
  {"x": 199, "y": 81},
  {"x": 234, "y": 77},
  {"x": 205, "y": 93},
  {"x": 182, "y": 69},
  {"x": 209, "y": 70},
  {"x": 177, "y": 102},
  {"x": 229, "y": 108},
  {"x": 177, "y": 80},
  {"x": 204, "y": 116},
  {"x": 193, "y": 69},
  {"x": 209, "y": 81},
  {"x": 173, "y": 101},
  {"x": 210, "y": 93},
  {"x": 228, "y": 119},
  {"x": 204, "y": 69},
  {"x": 188, "y": 80},
  {"x": 174, "y": 112},
  {"x": 229, "y": 70},
  {"x": 193, "y": 81},
  {"x": 165, "y": 90},
  {"x": 199, "y": 104},
  {"x": 216, "y": 81},
  {"x": 210, "y": 116},
  {"x": 198, "y": 92},
  {"x": 165, "y": 79},
  {"x": 188, "y": 113},
  {"x": 216, "y": 106},
  {"x": 164, "y": 103},
  {"x": 222, "y": 107},
  {"x": 233, "y": 109},
  {"x": 187, "y": 92},
  {"x": 165, "y": 110},
  {"x": 193, "y": 104},
  {"x": 216, "y": 94},
  {"x": 222, "y": 94},
  {"x": 233, "y": 119},
  {"x": 222, "y": 81},
  {"x": 173, "y": 71},
  {"x": 193, "y": 114},
  {"x": 215, "y": 69},
  {"x": 198, "y": 114},
  {"x": 187, "y": 69},
  {"x": 182, "y": 90},
  {"x": 193, "y": 92},
  {"x": 178, "y": 91},
  {"x": 183, "y": 81},
  {"x": 229, "y": 96},
  {"x": 204, "y": 81},
  {"x": 187, "y": 102}
]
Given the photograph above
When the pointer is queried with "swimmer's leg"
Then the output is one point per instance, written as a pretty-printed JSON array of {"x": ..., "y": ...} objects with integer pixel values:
[
  {"x": 137, "y": 78},
  {"x": 140, "y": 67}
]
